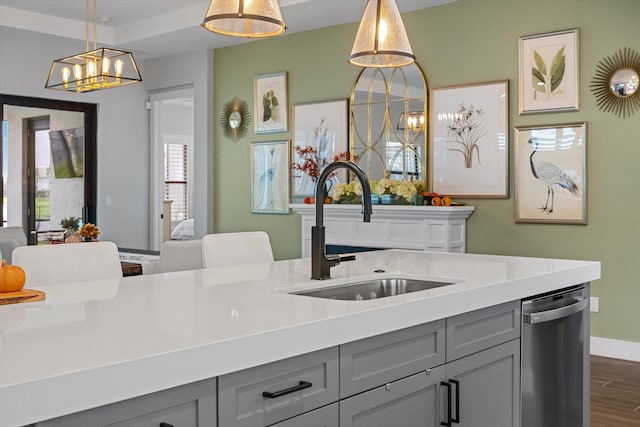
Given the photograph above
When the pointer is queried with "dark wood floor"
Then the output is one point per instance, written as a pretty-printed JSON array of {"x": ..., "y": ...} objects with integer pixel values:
[{"x": 615, "y": 392}]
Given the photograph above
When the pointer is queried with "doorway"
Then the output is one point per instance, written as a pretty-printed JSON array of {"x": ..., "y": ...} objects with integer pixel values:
[
  {"x": 172, "y": 166},
  {"x": 48, "y": 162}
]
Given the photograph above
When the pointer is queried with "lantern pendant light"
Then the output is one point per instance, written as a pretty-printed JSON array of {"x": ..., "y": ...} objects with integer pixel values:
[
  {"x": 97, "y": 69},
  {"x": 381, "y": 40},
  {"x": 245, "y": 18}
]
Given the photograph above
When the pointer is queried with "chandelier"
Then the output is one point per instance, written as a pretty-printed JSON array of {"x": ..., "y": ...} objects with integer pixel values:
[{"x": 100, "y": 68}]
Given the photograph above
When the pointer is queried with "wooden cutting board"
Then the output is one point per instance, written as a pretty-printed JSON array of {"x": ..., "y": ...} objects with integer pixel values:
[{"x": 25, "y": 295}]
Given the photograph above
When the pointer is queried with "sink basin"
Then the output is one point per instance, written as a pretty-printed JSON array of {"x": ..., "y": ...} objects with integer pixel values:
[{"x": 373, "y": 289}]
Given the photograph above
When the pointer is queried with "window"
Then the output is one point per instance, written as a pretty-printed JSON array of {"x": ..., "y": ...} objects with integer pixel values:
[{"x": 176, "y": 173}]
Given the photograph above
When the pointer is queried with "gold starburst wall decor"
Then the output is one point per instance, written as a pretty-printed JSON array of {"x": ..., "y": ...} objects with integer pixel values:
[
  {"x": 235, "y": 119},
  {"x": 615, "y": 84}
]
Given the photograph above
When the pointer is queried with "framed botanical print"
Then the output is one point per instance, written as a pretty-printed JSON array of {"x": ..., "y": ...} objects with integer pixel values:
[
  {"x": 469, "y": 149},
  {"x": 270, "y": 177},
  {"x": 270, "y": 103},
  {"x": 320, "y": 137},
  {"x": 548, "y": 72},
  {"x": 551, "y": 177}
]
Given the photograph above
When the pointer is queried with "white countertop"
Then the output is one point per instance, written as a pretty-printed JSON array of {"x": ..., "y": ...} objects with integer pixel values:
[{"x": 93, "y": 343}]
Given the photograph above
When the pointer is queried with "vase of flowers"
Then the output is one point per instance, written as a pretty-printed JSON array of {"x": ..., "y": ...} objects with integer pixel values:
[
  {"x": 386, "y": 189},
  {"x": 347, "y": 192},
  {"x": 406, "y": 192},
  {"x": 311, "y": 160},
  {"x": 89, "y": 232}
]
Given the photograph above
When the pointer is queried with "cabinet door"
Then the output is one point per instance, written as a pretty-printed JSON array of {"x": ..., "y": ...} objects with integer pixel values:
[
  {"x": 487, "y": 388},
  {"x": 409, "y": 402},
  {"x": 191, "y": 405},
  {"x": 324, "y": 417}
]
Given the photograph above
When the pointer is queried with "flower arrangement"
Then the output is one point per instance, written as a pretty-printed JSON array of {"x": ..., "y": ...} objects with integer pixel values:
[
  {"x": 89, "y": 231},
  {"x": 312, "y": 164},
  {"x": 406, "y": 189},
  {"x": 72, "y": 223},
  {"x": 345, "y": 190},
  {"x": 386, "y": 186}
]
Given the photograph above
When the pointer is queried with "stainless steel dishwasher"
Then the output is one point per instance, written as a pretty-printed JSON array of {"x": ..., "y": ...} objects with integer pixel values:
[{"x": 555, "y": 359}]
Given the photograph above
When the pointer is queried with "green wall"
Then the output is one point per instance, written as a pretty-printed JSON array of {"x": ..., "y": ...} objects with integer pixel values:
[{"x": 469, "y": 41}]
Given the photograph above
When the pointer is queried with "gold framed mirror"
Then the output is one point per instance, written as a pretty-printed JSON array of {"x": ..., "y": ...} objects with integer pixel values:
[
  {"x": 235, "y": 119},
  {"x": 388, "y": 130},
  {"x": 616, "y": 82}
]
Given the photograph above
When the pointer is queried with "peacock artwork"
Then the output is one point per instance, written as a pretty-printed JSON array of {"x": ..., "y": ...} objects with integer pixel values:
[{"x": 550, "y": 175}]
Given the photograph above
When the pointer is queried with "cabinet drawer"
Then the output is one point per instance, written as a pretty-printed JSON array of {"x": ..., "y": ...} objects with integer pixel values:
[
  {"x": 374, "y": 361},
  {"x": 478, "y": 330},
  {"x": 297, "y": 385},
  {"x": 191, "y": 405},
  {"x": 324, "y": 417},
  {"x": 411, "y": 401}
]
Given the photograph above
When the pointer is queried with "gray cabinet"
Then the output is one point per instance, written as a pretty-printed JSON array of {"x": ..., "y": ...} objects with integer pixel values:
[
  {"x": 277, "y": 391},
  {"x": 370, "y": 362},
  {"x": 324, "y": 417},
  {"x": 486, "y": 386},
  {"x": 408, "y": 402},
  {"x": 191, "y": 405}
]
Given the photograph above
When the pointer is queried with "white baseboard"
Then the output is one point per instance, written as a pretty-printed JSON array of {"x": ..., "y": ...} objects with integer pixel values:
[{"x": 616, "y": 349}]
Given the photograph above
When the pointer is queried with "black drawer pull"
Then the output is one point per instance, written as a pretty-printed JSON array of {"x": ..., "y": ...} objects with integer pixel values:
[
  {"x": 166, "y": 425},
  {"x": 274, "y": 394},
  {"x": 456, "y": 419},
  {"x": 448, "y": 422}
]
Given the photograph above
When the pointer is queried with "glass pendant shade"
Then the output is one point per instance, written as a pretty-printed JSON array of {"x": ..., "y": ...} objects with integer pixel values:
[
  {"x": 98, "y": 69},
  {"x": 245, "y": 18},
  {"x": 381, "y": 40}
]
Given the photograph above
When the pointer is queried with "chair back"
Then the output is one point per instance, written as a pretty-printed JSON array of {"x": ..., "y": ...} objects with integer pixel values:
[
  {"x": 70, "y": 262},
  {"x": 6, "y": 249},
  {"x": 180, "y": 255},
  {"x": 16, "y": 233},
  {"x": 226, "y": 249}
]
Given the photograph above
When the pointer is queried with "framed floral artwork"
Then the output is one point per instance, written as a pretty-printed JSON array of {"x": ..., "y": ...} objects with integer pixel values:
[
  {"x": 320, "y": 132},
  {"x": 550, "y": 170},
  {"x": 270, "y": 177},
  {"x": 469, "y": 149},
  {"x": 270, "y": 103},
  {"x": 548, "y": 72}
]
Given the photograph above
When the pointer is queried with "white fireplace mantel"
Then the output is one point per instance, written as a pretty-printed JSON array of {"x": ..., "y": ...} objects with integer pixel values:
[{"x": 427, "y": 228}]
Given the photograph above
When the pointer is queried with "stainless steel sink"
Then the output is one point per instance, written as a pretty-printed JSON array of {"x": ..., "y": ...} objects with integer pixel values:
[{"x": 373, "y": 289}]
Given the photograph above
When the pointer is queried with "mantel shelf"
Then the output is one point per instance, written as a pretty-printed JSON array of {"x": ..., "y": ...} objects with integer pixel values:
[{"x": 428, "y": 228}]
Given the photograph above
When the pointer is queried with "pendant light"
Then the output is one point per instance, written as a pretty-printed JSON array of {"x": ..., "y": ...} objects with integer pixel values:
[
  {"x": 381, "y": 40},
  {"x": 102, "y": 68},
  {"x": 245, "y": 18}
]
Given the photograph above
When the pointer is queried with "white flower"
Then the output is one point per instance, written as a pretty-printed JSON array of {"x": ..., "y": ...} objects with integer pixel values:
[
  {"x": 339, "y": 191},
  {"x": 357, "y": 188},
  {"x": 407, "y": 190}
]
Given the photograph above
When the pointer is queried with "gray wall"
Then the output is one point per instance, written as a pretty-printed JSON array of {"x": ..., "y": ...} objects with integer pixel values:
[{"x": 123, "y": 131}]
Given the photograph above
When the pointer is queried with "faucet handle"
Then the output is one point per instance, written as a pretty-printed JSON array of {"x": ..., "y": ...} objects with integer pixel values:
[{"x": 347, "y": 258}]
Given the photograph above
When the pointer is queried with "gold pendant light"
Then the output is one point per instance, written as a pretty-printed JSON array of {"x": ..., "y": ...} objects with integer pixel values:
[
  {"x": 381, "y": 40},
  {"x": 245, "y": 18},
  {"x": 102, "y": 68}
]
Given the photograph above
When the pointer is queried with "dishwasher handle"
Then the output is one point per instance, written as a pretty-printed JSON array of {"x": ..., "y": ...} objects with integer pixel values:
[{"x": 557, "y": 313}]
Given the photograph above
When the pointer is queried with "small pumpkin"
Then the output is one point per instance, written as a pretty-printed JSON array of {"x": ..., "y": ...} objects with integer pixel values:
[{"x": 12, "y": 278}]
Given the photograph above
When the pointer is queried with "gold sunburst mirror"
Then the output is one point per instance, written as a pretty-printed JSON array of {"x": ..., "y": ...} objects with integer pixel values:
[
  {"x": 616, "y": 83},
  {"x": 235, "y": 119}
]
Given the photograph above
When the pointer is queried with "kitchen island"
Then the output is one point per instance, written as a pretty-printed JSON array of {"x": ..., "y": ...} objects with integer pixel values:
[{"x": 91, "y": 344}]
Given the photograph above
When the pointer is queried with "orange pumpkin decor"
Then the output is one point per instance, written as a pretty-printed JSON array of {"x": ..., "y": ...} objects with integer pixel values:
[{"x": 12, "y": 278}]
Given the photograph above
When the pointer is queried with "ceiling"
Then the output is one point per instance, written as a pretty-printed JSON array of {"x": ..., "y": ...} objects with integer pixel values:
[{"x": 152, "y": 28}]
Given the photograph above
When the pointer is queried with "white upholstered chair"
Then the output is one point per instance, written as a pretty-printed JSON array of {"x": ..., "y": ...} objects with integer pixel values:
[
  {"x": 180, "y": 255},
  {"x": 227, "y": 249},
  {"x": 71, "y": 262}
]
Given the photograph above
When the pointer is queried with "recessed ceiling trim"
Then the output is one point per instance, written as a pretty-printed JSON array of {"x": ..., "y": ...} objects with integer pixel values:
[{"x": 51, "y": 25}]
